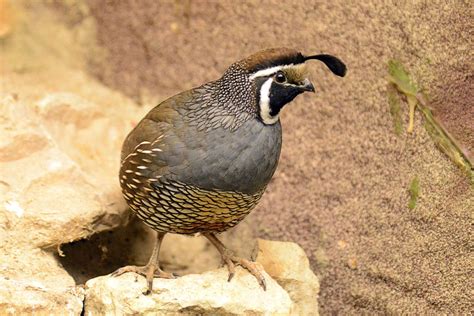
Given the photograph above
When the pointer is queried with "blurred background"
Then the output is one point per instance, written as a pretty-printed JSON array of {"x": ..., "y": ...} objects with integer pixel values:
[{"x": 384, "y": 215}]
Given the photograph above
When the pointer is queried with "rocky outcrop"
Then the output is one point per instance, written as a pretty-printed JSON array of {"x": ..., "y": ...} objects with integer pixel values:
[
  {"x": 292, "y": 288},
  {"x": 50, "y": 194},
  {"x": 59, "y": 155},
  {"x": 288, "y": 264},
  {"x": 208, "y": 293},
  {"x": 60, "y": 138},
  {"x": 32, "y": 296},
  {"x": 57, "y": 174}
]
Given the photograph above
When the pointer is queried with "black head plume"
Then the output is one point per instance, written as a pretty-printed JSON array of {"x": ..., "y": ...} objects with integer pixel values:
[{"x": 333, "y": 63}]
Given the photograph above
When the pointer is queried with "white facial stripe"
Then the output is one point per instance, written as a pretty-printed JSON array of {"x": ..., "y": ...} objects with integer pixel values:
[
  {"x": 266, "y": 72},
  {"x": 270, "y": 71},
  {"x": 267, "y": 118}
]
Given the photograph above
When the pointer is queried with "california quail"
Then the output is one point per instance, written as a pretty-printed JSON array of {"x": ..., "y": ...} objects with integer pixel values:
[{"x": 199, "y": 162}]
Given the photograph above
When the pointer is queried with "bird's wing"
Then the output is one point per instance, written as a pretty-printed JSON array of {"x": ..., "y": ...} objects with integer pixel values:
[{"x": 152, "y": 145}]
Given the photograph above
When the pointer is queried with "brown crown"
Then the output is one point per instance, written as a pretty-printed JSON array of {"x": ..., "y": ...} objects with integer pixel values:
[{"x": 271, "y": 57}]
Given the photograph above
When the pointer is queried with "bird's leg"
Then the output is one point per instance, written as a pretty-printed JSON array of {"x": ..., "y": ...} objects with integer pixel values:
[
  {"x": 231, "y": 260},
  {"x": 152, "y": 268}
]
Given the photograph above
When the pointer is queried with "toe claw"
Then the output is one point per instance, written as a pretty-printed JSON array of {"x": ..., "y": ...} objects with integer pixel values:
[
  {"x": 249, "y": 265},
  {"x": 149, "y": 272},
  {"x": 263, "y": 283},
  {"x": 121, "y": 271}
]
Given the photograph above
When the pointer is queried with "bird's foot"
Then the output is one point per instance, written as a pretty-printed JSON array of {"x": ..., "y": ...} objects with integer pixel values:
[
  {"x": 148, "y": 271},
  {"x": 231, "y": 261},
  {"x": 144, "y": 270}
]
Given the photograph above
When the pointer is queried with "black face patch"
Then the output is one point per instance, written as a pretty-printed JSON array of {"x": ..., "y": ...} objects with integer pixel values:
[{"x": 280, "y": 95}]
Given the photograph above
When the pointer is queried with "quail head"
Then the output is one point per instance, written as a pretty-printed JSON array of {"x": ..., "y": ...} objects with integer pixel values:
[{"x": 199, "y": 162}]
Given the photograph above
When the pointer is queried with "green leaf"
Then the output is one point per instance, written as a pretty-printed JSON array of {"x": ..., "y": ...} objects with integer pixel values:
[{"x": 399, "y": 77}]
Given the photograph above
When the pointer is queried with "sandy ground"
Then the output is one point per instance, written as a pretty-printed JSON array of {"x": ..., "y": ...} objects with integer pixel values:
[{"x": 341, "y": 189}]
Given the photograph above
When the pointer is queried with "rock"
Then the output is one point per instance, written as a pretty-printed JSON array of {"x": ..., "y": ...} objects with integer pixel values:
[
  {"x": 58, "y": 183},
  {"x": 287, "y": 263},
  {"x": 30, "y": 296},
  {"x": 292, "y": 288},
  {"x": 59, "y": 156},
  {"x": 48, "y": 196},
  {"x": 31, "y": 281},
  {"x": 58, "y": 169},
  {"x": 208, "y": 293},
  {"x": 47, "y": 187},
  {"x": 8, "y": 19}
]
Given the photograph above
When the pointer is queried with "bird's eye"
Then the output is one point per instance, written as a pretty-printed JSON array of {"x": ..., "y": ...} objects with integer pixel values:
[{"x": 280, "y": 77}]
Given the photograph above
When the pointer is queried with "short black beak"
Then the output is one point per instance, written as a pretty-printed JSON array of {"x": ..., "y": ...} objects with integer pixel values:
[{"x": 306, "y": 85}]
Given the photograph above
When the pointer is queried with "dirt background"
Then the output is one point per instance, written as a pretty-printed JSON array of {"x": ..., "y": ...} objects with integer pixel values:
[{"x": 341, "y": 189}]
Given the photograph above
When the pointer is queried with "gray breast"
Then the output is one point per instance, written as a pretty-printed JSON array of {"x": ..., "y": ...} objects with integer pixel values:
[{"x": 242, "y": 160}]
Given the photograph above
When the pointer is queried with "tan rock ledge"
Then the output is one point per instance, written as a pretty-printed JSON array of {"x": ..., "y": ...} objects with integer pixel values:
[
  {"x": 288, "y": 264},
  {"x": 35, "y": 297},
  {"x": 291, "y": 290},
  {"x": 206, "y": 293}
]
